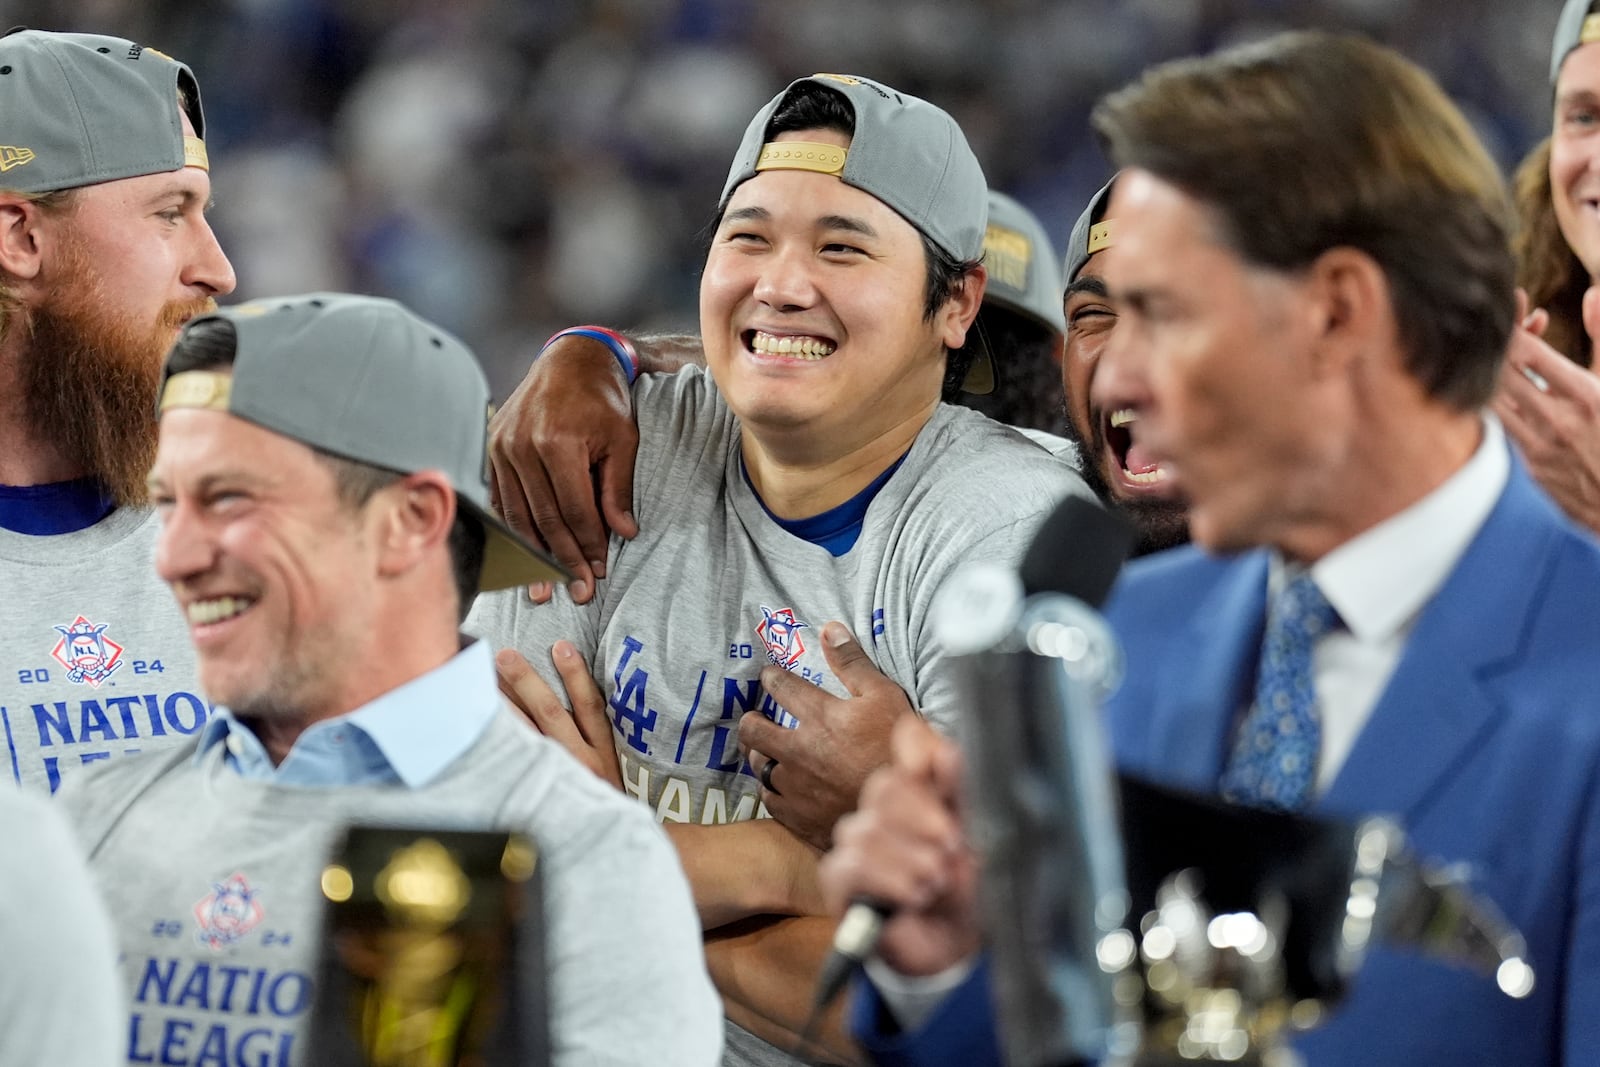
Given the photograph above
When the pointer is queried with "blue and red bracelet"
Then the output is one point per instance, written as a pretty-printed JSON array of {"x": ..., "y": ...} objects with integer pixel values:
[{"x": 619, "y": 345}]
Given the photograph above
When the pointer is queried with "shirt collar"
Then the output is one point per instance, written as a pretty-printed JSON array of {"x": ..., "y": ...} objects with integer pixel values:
[
  {"x": 1380, "y": 580},
  {"x": 408, "y": 735}
]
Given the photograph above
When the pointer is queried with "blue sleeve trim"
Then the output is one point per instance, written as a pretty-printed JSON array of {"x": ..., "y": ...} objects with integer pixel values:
[{"x": 960, "y": 1032}]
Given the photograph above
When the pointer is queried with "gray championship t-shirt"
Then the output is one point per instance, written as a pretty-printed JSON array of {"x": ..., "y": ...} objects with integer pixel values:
[
  {"x": 713, "y": 589},
  {"x": 95, "y": 660},
  {"x": 212, "y": 881}
]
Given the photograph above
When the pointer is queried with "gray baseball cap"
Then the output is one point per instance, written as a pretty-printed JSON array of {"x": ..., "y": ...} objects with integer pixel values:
[
  {"x": 366, "y": 379},
  {"x": 906, "y": 152},
  {"x": 1022, "y": 266},
  {"x": 1577, "y": 26},
  {"x": 1091, "y": 233},
  {"x": 79, "y": 108}
]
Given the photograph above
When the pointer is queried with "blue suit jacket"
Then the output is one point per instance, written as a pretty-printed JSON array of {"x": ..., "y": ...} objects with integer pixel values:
[{"x": 1485, "y": 744}]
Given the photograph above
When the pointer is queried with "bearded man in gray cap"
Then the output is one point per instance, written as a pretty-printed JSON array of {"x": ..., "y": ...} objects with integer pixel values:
[
  {"x": 104, "y": 252},
  {"x": 1112, "y": 464},
  {"x": 323, "y": 501},
  {"x": 812, "y": 476}
]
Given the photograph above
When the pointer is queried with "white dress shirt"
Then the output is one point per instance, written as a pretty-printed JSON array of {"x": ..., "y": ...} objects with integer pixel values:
[{"x": 1380, "y": 581}]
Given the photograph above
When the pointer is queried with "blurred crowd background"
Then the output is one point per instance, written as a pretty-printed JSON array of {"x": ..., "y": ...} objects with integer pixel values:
[{"x": 508, "y": 167}]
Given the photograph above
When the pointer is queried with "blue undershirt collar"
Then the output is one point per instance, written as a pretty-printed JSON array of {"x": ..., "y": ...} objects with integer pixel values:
[
  {"x": 836, "y": 529},
  {"x": 55, "y": 507}
]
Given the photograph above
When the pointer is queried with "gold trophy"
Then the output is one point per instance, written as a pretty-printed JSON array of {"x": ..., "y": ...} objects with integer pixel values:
[{"x": 432, "y": 952}]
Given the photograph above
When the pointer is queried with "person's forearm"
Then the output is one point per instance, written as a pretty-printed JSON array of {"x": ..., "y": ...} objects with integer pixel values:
[
  {"x": 766, "y": 971},
  {"x": 741, "y": 869},
  {"x": 666, "y": 353}
]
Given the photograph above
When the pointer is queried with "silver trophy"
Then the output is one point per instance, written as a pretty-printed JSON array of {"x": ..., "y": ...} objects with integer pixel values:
[{"x": 1248, "y": 924}]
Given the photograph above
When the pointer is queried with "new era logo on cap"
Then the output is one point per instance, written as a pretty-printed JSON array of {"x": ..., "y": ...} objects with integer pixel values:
[{"x": 79, "y": 109}]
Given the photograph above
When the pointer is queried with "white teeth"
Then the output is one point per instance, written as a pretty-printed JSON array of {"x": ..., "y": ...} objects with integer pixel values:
[
  {"x": 224, "y": 607},
  {"x": 1148, "y": 477},
  {"x": 810, "y": 348},
  {"x": 1123, "y": 416}
]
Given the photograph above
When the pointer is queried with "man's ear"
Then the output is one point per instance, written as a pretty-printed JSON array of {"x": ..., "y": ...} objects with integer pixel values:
[
  {"x": 21, "y": 243},
  {"x": 955, "y": 315},
  {"x": 1352, "y": 309},
  {"x": 418, "y": 512}
]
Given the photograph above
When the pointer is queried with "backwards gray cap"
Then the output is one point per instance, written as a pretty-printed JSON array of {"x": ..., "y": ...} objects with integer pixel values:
[
  {"x": 1022, "y": 266},
  {"x": 1091, "y": 233},
  {"x": 1577, "y": 26},
  {"x": 904, "y": 151},
  {"x": 78, "y": 108},
  {"x": 368, "y": 380}
]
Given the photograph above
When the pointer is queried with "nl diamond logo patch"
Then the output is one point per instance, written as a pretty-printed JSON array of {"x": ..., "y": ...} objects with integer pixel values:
[{"x": 89, "y": 656}]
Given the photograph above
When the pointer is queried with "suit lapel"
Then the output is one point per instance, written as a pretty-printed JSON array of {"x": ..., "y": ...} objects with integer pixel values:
[
  {"x": 1438, "y": 703},
  {"x": 1208, "y": 676}
]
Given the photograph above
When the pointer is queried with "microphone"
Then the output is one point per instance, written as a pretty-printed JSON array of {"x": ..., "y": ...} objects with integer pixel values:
[
  {"x": 854, "y": 942},
  {"x": 1078, "y": 551},
  {"x": 1068, "y": 569}
]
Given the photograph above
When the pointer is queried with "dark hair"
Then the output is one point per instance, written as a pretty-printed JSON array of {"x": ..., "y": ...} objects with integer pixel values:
[
  {"x": 1546, "y": 265},
  {"x": 1310, "y": 141},
  {"x": 213, "y": 343},
  {"x": 810, "y": 106},
  {"x": 189, "y": 101},
  {"x": 1028, "y": 392}
]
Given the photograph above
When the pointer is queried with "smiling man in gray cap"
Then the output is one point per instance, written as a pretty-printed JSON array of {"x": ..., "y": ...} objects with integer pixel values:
[
  {"x": 323, "y": 499},
  {"x": 104, "y": 253},
  {"x": 812, "y": 477}
]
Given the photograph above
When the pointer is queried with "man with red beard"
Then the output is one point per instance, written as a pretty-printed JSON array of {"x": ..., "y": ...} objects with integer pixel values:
[{"x": 104, "y": 252}]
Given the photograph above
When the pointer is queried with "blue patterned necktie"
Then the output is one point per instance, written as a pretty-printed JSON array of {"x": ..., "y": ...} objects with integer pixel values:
[{"x": 1274, "y": 761}]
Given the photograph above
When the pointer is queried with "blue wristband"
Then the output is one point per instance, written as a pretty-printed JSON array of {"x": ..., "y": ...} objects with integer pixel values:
[{"x": 619, "y": 345}]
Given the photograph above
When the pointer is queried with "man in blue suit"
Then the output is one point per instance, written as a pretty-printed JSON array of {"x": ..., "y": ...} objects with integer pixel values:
[{"x": 1383, "y": 612}]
